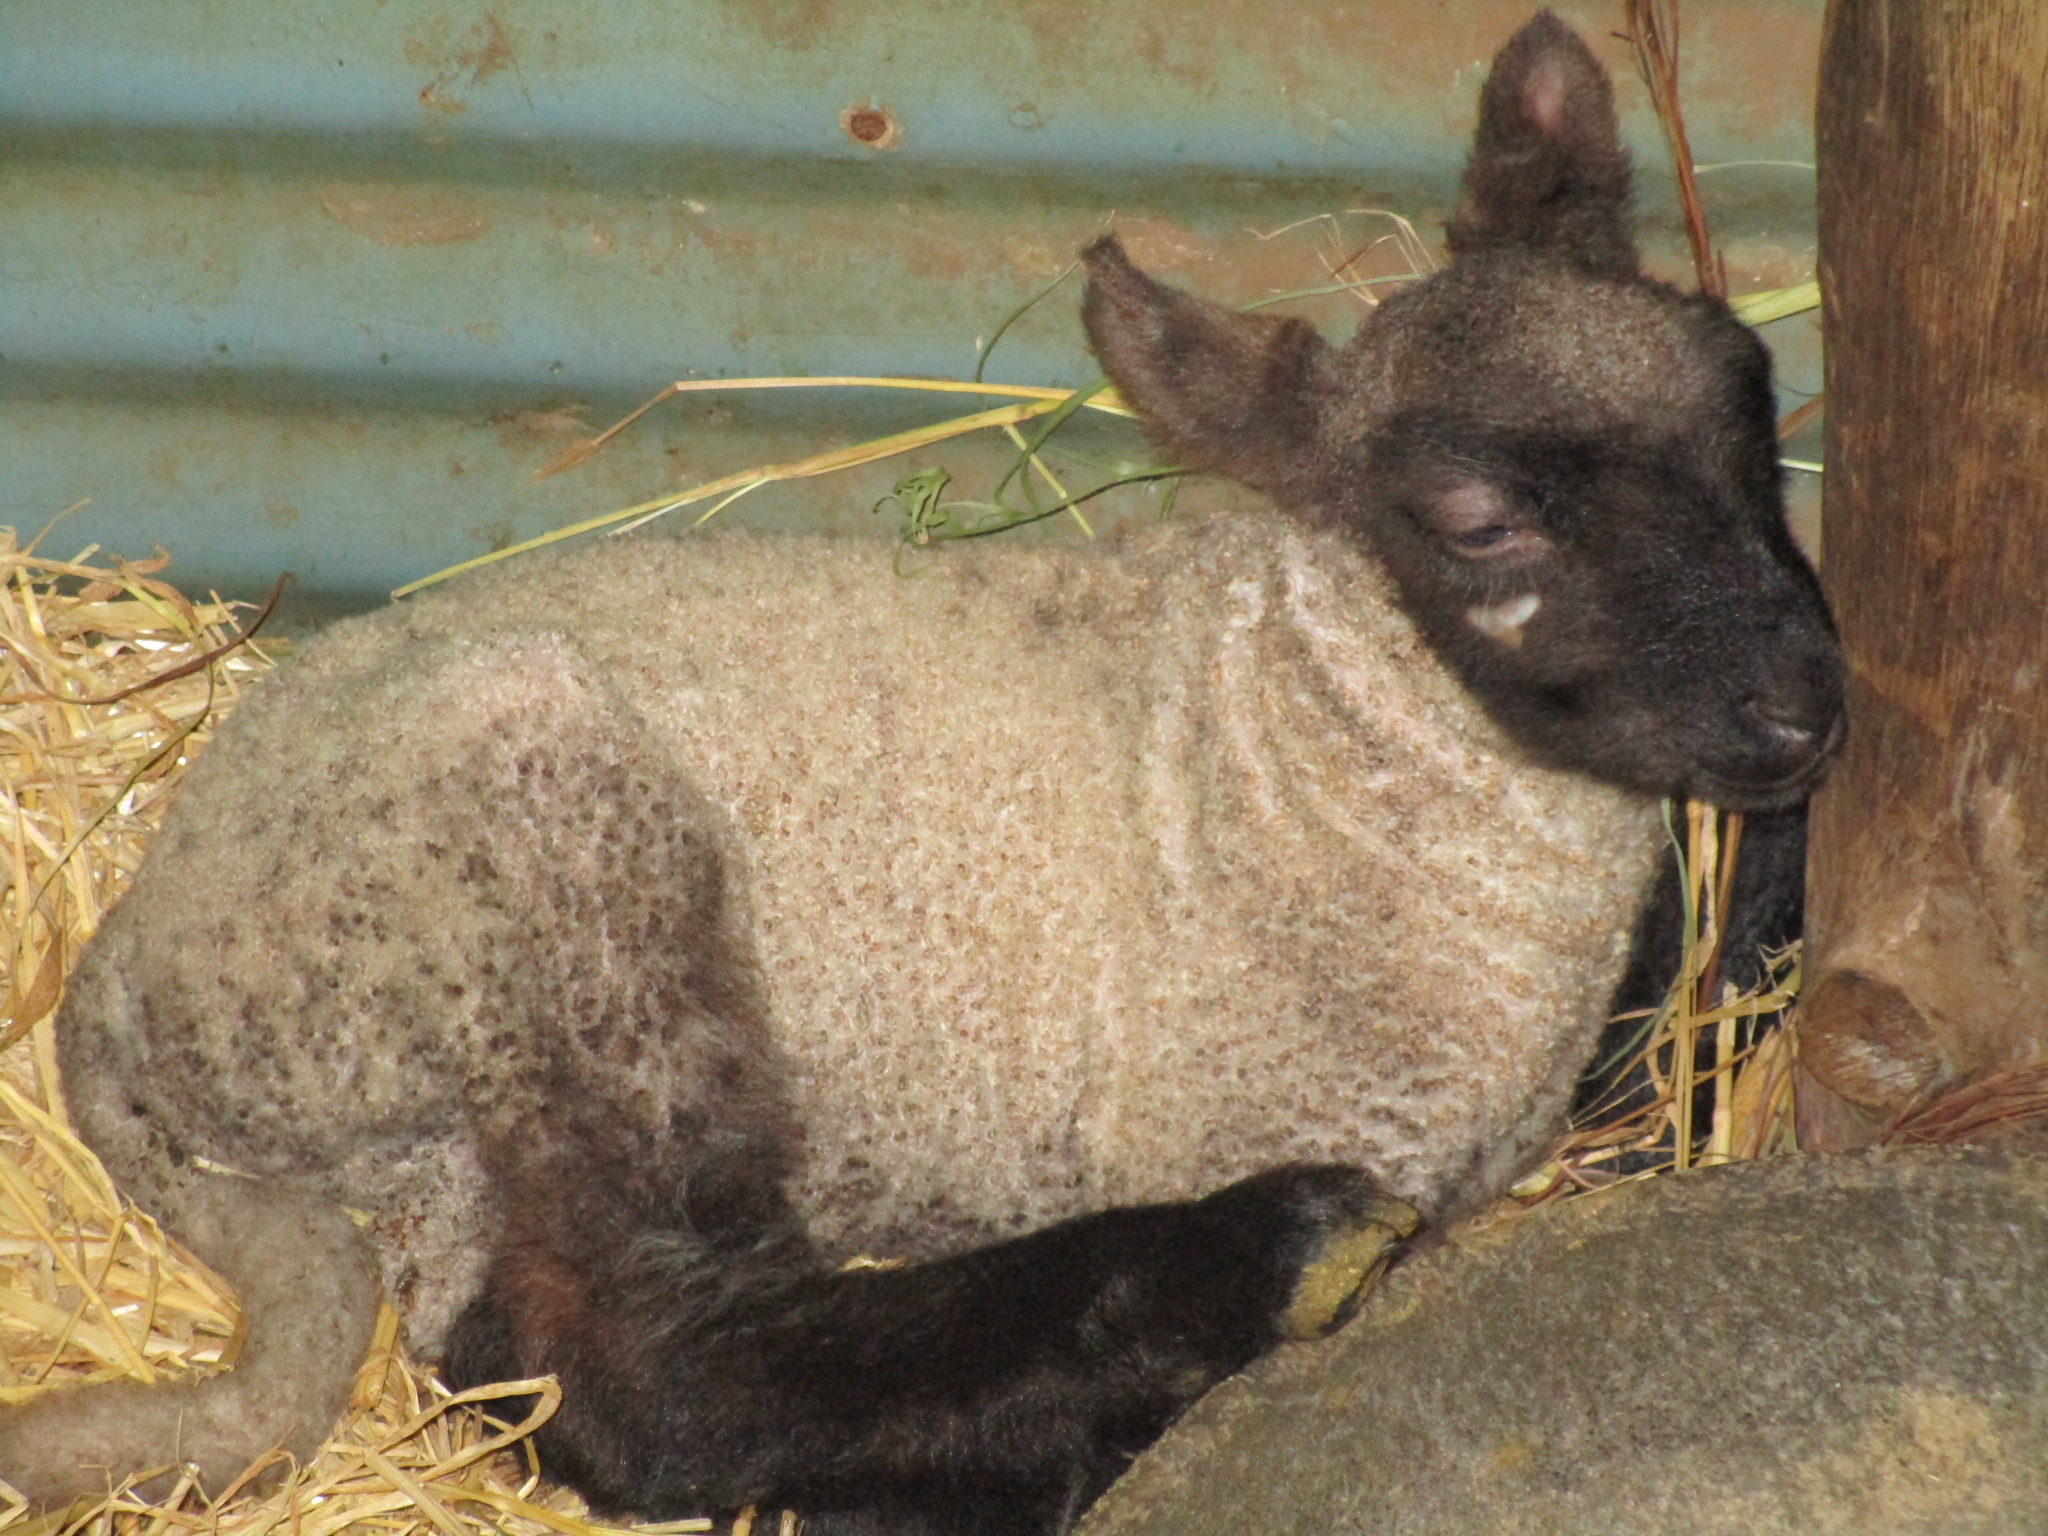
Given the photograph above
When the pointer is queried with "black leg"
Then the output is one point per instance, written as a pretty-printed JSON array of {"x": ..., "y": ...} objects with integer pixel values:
[{"x": 995, "y": 1392}]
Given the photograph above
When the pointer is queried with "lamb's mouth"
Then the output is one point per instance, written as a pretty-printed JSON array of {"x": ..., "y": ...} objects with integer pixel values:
[{"x": 1739, "y": 793}]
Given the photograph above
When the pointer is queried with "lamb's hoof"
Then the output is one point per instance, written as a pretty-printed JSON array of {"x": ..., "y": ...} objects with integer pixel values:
[
  {"x": 1347, "y": 1229},
  {"x": 1321, "y": 1233},
  {"x": 1340, "y": 1273}
]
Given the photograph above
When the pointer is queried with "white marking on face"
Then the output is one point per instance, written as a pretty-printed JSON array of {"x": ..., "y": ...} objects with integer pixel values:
[{"x": 1503, "y": 621}]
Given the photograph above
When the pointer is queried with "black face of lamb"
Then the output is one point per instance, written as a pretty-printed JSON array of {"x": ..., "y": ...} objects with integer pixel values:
[
  {"x": 1569, "y": 469},
  {"x": 1617, "y": 604},
  {"x": 992, "y": 1394}
]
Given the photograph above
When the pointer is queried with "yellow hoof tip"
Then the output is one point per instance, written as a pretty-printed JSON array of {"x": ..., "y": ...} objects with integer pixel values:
[{"x": 1333, "y": 1283}]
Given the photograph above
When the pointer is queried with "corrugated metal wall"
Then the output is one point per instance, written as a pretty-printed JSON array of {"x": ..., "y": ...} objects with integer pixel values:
[{"x": 316, "y": 286}]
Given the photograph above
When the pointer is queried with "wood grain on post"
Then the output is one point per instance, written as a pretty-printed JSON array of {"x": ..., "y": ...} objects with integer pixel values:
[{"x": 1927, "y": 971}]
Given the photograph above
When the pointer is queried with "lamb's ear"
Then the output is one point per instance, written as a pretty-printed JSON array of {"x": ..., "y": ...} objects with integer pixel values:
[
  {"x": 1547, "y": 170},
  {"x": 1234, "y": 394}
]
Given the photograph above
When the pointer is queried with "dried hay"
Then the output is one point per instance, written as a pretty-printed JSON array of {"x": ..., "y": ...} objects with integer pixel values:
[
  {"x": 93, "y": 748},
  {"x": 1706, "y": 1047}
]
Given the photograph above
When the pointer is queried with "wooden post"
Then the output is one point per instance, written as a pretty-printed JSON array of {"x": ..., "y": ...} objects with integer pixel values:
[{"x": 1927, "y": 970}]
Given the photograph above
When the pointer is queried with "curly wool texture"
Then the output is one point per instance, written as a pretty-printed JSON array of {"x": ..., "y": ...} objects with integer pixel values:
[{"x": 1046, "y": 880}]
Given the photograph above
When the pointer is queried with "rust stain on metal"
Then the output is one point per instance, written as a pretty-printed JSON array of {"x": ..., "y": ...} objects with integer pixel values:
[
  {"x": 1161, "y": 243},
  {"x": 527, "y": 431},
  {"x": 490, "y": 51},
  {"x": 1029, "y": 256},
  {"x": 164, "y": 241},
  {"x": 493, "y": 53},
  {"x": 740, "y": 243},
  {"x": 393, "y": 215},
  {"x": 872, "y": 124},
  {"x": 794, "y": 24},
  {"x": 945, "y": 261},
  {"x": 494, "y": 536},
  {"x": 486, "y": 50}
]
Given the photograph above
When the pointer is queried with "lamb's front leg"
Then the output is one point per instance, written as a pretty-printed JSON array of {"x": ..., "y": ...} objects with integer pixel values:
[{"x": 997, "y": 1391}]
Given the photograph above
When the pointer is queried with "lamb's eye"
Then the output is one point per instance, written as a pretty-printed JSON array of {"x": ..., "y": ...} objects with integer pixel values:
[
  {"x": 1481, "y": 538},
  {"x": 1494, "y": 541},
  {"x": 1476, "y": 519}
]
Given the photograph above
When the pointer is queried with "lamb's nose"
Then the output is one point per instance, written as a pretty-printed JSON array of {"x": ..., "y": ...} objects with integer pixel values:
[
  {"x": 1800, "y": 715},
  {"x": 1789, "y": 722}
]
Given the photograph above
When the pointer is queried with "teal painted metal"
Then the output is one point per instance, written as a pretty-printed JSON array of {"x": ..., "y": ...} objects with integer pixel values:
[{"x": 318, "y": 286}]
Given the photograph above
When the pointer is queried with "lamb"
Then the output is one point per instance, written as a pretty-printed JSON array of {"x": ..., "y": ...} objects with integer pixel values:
[{"x": 1112, "y": 930}]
